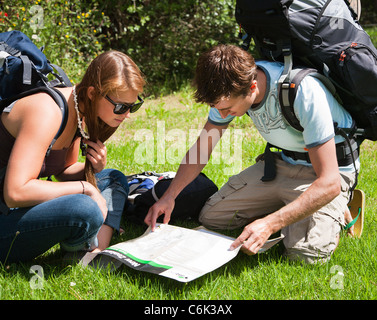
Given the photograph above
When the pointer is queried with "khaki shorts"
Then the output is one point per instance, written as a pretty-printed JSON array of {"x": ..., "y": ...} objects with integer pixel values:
[{"x": 245, "y": 198}]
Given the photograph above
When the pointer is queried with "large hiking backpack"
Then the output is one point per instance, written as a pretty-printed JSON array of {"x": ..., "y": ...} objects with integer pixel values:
[
  {"x": 320, "y": 34},
  {"x": 148, "y": 190},
  {"x": 25, "y": 70}
]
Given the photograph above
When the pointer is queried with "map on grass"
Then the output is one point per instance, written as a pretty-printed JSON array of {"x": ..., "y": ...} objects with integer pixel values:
[{"x": 175, "y": 252}]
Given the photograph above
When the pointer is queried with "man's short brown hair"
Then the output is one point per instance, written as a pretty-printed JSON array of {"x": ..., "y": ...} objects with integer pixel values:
[{"x": 223, "y": 71}]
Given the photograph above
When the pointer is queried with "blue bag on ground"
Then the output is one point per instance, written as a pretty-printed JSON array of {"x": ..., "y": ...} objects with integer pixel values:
[{"x": 188, "y": 204}]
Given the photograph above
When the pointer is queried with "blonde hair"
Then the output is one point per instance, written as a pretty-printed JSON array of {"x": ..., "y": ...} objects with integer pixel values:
[{"x": 112, "y": 72}]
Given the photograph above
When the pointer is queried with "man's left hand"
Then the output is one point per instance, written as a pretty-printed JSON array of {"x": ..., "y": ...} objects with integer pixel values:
[{"x": 253, "y": 237}]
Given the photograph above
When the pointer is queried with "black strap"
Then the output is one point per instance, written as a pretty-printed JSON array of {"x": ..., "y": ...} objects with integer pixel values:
[
  {"x": 297, "y": 155},
  {"x": 288, "y": 91},
  {"x": 56, "y": 95},
  {"x": 341, "y": 132},
  {"x": 344, "y": 153},
  {"x": 246, "y": 40},
  {"x": 61, "y": 75},
  {"x": 287, "y": 95},
  {"x": 63, "y": 105},
  {"x": 269, "y": 164},
  {"x": 347, "y": 152}
]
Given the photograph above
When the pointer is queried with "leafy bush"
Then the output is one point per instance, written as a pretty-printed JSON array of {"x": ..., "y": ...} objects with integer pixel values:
[
  {"x": 163, "y": 37},
  {"x": 166, "y": 37},
  {"x": 368, "y": 12}
]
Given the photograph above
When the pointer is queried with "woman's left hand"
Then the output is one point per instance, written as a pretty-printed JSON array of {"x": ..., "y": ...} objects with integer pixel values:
[{"x": 96, "y": 153}]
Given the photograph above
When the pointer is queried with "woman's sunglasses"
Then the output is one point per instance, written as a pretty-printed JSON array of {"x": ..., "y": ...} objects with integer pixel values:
[{"x": 120, "y": 108}]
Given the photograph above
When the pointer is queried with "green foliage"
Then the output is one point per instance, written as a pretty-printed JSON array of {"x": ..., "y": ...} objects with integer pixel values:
[
  {"x": 368, "y": 12},
  {"x": 166, "y": 37},
  {"x": 163, "y": 37},
  {"x": 373, "y": 34}
]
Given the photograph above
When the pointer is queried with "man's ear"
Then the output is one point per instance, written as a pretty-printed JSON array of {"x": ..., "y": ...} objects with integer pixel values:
[
  {"x": 253, "y": 85},
  {"x": 90, "y": 92}
]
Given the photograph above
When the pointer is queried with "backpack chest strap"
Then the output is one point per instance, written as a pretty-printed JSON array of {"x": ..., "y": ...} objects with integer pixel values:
[
  {"x": 343, "y": 153},
  {"x": 346, "y": 154}
]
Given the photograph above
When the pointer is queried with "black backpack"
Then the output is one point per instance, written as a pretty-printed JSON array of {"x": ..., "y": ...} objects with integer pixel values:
[
  {"x": 321, "y": 34},
  {"x": 188, "y": 203},
  {"x": 25, "y": 70}
]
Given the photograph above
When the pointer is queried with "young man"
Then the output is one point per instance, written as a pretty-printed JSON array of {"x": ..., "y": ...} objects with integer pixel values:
[{"x": 308, "y": 197}]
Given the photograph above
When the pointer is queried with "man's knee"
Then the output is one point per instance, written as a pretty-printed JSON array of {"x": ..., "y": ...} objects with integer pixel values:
[
  {"x": 207, "y": 217},
  {"x": 312, "y": 240}
]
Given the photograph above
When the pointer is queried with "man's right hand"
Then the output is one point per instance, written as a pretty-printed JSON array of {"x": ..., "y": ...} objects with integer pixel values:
[
  {"x": 188, "y": 170},
  {"x": 163, "y": 206}
]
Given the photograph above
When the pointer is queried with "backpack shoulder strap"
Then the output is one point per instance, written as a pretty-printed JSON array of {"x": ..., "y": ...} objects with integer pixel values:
[
  {"x": 288, "y": 91},
  {"x": 56, "y": 95},
  {"x": 62, "y": 78},
  {"x": 63, "y": 106}
]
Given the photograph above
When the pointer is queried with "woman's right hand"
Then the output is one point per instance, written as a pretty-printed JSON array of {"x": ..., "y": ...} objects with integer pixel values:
[{"x": 93, "y": 192}]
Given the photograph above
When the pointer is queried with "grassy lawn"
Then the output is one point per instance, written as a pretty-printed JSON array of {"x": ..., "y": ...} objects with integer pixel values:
[{"x": 156, "y": 138}]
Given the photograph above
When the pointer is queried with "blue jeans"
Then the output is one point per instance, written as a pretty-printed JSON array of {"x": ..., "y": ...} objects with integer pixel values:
[{"x": 73, "y": 221}]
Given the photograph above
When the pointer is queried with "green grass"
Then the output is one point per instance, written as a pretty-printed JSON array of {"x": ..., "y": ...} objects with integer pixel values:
[{"x": 264, "y": 276}]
